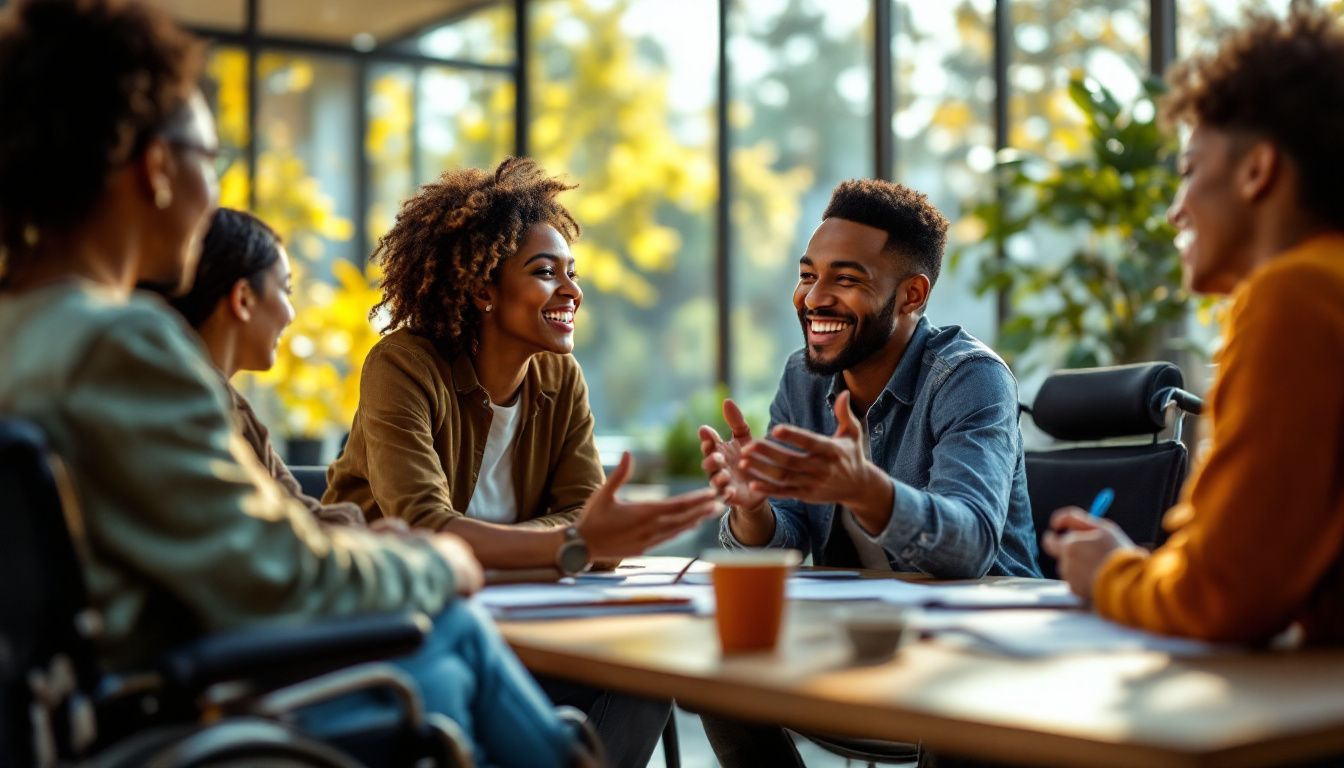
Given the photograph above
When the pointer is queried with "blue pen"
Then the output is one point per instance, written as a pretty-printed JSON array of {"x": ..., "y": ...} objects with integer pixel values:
[{"x": 1101, "y": 503}]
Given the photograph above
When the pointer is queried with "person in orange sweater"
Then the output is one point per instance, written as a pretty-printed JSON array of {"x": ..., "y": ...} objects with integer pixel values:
[{"x": 1257, "y": 541}]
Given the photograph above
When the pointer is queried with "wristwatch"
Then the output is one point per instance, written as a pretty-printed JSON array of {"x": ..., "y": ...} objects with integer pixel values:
[{"x": 572, "y": 556}]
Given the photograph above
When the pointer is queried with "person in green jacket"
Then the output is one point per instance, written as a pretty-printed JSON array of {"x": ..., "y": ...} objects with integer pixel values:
[{"x": 107, "y": 180}]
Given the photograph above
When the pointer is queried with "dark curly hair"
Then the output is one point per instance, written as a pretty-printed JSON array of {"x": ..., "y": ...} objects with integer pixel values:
[
  {"x": 1281, "y": 80},
  {"x": 916, "y": 230},
  {"x": 449, "y": 240},
  {"x": 84, "y": 86},
  {"x": 239, "y": 246}
]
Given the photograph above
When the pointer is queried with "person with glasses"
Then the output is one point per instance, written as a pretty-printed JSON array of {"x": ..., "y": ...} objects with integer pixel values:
[{"x": 106, "y": 182}]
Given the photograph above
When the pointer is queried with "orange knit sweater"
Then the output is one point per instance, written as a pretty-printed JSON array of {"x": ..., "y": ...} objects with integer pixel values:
[{"x": 1257, "y": 541}]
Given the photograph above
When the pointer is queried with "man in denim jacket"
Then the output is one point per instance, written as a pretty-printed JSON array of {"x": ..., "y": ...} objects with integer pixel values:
[
  {"x": 894, "y": 443},
  {"x": 938, "y": 486}
]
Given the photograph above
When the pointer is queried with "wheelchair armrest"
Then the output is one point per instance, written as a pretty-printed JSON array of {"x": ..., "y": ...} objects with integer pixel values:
[{"x": 270, "y": 657}]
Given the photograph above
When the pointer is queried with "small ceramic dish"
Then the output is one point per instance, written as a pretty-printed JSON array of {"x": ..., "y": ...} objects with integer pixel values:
[{"x": 874, "y": 633}]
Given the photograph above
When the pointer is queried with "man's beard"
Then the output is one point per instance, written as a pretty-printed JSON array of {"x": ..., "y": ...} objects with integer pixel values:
[{"x": 871, "y": 333}]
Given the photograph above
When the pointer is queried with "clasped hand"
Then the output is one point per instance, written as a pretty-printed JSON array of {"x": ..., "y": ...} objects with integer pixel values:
[{"x": 797, "y": 464}]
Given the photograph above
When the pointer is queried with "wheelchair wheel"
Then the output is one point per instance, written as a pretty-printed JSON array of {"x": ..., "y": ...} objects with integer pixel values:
[{"x": 231, "y": 743}]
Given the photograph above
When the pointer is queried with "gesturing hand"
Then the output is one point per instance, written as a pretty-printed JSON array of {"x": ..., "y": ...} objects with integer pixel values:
[
  {"x": 614, "y": 529},
  {"x": 722, "y": 459},
  {"x": 821, "y": 469}
]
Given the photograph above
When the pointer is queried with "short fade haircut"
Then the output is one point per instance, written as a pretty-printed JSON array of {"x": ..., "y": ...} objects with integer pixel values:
[
  {"x": 916, "y": 230},
  {"x": 1281, "y": 80}
]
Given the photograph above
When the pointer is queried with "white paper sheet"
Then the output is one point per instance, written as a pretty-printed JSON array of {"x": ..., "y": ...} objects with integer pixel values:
[{"x": 1034, "y": 633}]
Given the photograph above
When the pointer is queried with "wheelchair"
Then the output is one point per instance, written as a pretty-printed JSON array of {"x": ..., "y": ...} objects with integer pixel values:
[{"x": 223, "y": 700}]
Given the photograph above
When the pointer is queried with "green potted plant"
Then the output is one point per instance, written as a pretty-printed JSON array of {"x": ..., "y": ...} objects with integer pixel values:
[
  {"x": 681, "y": 442},
  {"x": 1117, "y": 297}
]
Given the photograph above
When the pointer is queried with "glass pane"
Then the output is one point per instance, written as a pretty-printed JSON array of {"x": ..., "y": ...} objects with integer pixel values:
[
  {"x": 483, "y": 35},
  {"x": 306, "y": 177},
  {"x": 944, "y": 97},
  {"x": 425, "y": 121},
  {"x": 1199, "y": 23},
  {"x": 465, "y": 119},
  {"x": 226, "y": 73},
  {"x": 307, "y": 153},
  {"x": 228, "y": 15},
  {"x": 801, "y": 117},
  {"x": 623, "y": 104},
  {"x": 389, "y": 145},
  {"x": 1054, "y": 39},
  {"x": 1060, "y": 319}
]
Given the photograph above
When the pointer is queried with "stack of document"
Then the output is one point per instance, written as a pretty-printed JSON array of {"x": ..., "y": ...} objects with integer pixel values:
[{"x": 517, "y": 602}]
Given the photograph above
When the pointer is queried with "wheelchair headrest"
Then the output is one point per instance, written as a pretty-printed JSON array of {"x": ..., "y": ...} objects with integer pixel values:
[{"x": 1098, "y": 403}]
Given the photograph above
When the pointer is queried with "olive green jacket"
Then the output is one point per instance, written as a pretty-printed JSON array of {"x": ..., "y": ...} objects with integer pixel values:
[
  {"x": 419, "y": 435},
  {"x": 183, "y": 532}
]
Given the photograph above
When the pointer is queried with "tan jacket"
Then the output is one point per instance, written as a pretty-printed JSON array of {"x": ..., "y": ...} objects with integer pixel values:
[
  {"x": 259, "y": 438},
  {"x": 416, "y": 444},
  {"x": 1257, "y": 542},
  {"x": 184, "y": 532}
]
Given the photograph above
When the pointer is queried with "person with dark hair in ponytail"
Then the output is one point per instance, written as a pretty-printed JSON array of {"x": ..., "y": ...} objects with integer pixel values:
[{"x": 239, "y": 305}]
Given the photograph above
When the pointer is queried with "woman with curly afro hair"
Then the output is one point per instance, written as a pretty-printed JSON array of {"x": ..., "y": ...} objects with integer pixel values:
[{"x": 473, "y": 415}]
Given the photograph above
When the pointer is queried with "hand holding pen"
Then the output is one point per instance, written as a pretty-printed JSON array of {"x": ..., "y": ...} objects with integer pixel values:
[{"x": 1081, "y": 541}]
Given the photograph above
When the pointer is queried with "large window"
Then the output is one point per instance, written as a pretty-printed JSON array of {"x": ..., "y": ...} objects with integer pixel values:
[{"x": 353, "y": 105}]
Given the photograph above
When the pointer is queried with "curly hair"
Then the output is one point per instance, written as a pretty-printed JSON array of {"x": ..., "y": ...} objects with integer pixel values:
[
  {"x": 916, "y": 230},
  {"x": 84, "y": 86},
  {"x": 449, "y": 241},
  {"x": 1281, "y": 80}
]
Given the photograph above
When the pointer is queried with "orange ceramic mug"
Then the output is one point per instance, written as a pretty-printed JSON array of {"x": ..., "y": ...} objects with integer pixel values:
[{"x": 749, "y": 596}]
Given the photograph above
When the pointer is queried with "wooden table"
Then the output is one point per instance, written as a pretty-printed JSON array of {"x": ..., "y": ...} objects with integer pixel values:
[{"x": 1118, "y": 709}]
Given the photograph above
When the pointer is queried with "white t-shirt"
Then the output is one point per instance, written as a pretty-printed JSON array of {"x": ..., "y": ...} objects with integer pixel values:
[{"x": 493, "y": 499}]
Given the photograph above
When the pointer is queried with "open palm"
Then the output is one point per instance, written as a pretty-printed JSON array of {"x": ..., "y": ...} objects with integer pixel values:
[{"x": 722, "y": 459}]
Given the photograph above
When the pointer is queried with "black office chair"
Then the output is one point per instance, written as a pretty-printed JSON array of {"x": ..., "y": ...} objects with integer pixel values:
[
  {"x": 1101, "y": 404},
  {"x": 224, "y": 698}
]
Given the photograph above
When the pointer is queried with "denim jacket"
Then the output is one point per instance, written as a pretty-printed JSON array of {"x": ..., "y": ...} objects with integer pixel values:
[{"x": 945, "y": 429}]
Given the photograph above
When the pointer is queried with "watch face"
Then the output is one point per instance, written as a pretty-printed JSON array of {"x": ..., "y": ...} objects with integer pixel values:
[{"x": 572, "y": 557}]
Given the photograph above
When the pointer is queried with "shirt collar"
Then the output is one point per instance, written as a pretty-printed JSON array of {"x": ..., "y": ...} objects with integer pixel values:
[
  {"x": 465, "y": 380},
  {"x": 905, "y": 378}
]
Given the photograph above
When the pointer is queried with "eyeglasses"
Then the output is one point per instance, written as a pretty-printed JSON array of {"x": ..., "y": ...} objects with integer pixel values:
[{"x": 213, "y": 154}]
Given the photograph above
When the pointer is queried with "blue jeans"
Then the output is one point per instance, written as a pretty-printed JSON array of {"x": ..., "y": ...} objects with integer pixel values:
[{"x": 466, "y": 672}]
